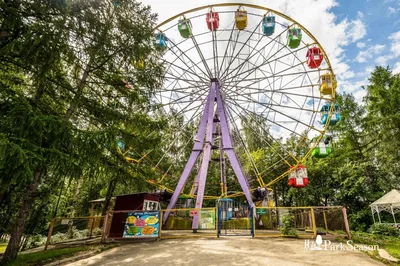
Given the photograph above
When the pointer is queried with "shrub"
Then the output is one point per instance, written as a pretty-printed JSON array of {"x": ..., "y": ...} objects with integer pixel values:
[
  {"x": 384, "y": 229},
  {"x": 288, "y": 226}
]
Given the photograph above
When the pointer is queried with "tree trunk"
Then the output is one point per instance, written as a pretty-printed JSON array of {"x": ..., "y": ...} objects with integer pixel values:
[
  {"x": 75, "y": 199},
  {"x": 19, "y": 225},
  {"x": 110, "y": 192},
  {"x": 81, "y": 86}
]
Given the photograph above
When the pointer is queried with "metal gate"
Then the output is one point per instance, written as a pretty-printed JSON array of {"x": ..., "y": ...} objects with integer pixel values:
[{"x": 235, "y": 219}]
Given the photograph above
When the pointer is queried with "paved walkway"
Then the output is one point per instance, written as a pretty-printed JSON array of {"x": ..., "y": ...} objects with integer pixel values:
[{"x": 225, "y": 251}]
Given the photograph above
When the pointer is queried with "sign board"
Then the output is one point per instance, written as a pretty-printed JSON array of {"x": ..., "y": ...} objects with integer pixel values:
[
  {"x": 142, "y": 224},
  {"x": 207, "y": 219},
  {"x": 261, "y": 211},
  {"x": 193, "y": 213},
  {"x": 66, "y": 221}
]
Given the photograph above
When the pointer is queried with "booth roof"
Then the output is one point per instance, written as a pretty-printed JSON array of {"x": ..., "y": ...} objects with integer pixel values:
[{"x": 390, "y": 198}]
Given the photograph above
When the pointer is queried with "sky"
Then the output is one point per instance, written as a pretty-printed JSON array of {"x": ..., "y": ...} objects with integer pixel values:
[{"x": 357, "y": 35}]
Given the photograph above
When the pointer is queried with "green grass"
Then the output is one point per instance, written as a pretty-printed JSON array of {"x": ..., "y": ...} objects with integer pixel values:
[
  {"x": 43, "y": 257},
  {"x": 390, "y": 244},
  {"x": 393, "y": 248},
  {"x": 3, "y": 246}
]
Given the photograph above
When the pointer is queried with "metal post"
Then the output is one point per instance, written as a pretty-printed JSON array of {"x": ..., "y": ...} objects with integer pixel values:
[
  {"x": 216, "y": 210},
  {"x": 49, "y": 234},
  {"x": 377, "y": 211},
  {"x": 394, "y": 218},
  {"x": 346, "y": 222},
  {"x": 105, "y": 225},
  {"x": 253, "y": 222},
  {"x": 160, "y": 226},
  {"x": 325, "y": 221},
  {"x": 313, "y": 222},
  {"x": 91, "y": 227},
  {"x": 373, "y": 216}
]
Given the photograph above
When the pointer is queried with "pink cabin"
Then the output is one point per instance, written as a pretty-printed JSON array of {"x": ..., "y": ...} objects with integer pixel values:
[
  {"x": 298, "y": 177},
  {"x": 212, "y": 20},
  {"x": 314, "y": 57}
]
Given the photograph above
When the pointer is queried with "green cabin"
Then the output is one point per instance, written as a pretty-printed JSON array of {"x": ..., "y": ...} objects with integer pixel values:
[
  {"x": 324, "y": 147},
  {"x": 294, "y": 37},
  {"x": 185, "y": 28}
]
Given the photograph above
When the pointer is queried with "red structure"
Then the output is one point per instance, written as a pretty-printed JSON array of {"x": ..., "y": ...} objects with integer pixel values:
[
  {"x": 212, "y": 20},
  {"x": 131, "y": 202},
  {"x": 314, "y": 57},
  {"x": 298, "y": 177}
]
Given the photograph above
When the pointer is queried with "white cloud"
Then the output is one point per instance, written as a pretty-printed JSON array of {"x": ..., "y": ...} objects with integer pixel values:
[
  {"x": 361, "y": 45},
  {"x": 394, "y": 50},
  {"x": 356, "y": 30},
  {"x": 369, "y": 69},
  {"x": 391, "y": 10},
  {"x": 382, "y": 60},
  {"x": 369, "y": 53},
  {"x": 359, "y": 95},
  {"x": 395, "y": 46},
  {"x": 396, "y": 68},
  {"x": 360, "y": 14}
]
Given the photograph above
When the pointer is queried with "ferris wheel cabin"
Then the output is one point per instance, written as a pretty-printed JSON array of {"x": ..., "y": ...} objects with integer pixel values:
[
  {"x": 314, "y": 57},
  {"x": 298, "y": 177},
  {"x": 335, "y": 117},
  {"x": 241, "y": 18},
  {"x": 324, "y": 147},
  {"x": 138, "y": 64},
  {"x": 328, "y": 84},
  {"x": 212, "y": 20},
  {"x": 161, "y": 40},
  {"x": 269, "y": 25},
  {"x": 294, "y": 37},
  {"x": 185, "y": 28}
]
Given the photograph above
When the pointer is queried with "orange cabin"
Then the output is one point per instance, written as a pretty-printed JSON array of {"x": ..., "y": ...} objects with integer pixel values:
[
  {"x": 212, "y": 20},
  {"x": 314, "y": 57},
  {"x": 298, "y": 177}
]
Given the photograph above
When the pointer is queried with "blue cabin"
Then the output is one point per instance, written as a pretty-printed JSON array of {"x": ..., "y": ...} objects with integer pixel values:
[
  {"x": 121, "y": 144},
  {"x": 161, "y": 40},
  {"x": 335, "y": 117},
  {"x": 269, "y": 25},
  {"x": 226, "y": 208}
]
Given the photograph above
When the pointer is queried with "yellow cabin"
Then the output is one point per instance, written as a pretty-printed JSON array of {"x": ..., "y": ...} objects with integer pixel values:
[
  {"x": 139, "y": 64},
  {"x": 241, "y": 18},
  {"x": 328, "y": 84}
]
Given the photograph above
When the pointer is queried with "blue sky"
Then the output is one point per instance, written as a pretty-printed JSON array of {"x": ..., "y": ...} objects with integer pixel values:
[{"x": 357, "y": 35}]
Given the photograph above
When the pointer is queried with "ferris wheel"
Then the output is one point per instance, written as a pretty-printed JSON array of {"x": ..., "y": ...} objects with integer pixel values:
[{"x": 228, "y": 63}]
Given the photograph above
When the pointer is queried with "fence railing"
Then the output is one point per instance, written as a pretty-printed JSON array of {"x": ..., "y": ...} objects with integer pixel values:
[
  {"x": 262, "y": 222},
  {"x": 300, "y": 221},
  {"x": 70, "y": 229}
]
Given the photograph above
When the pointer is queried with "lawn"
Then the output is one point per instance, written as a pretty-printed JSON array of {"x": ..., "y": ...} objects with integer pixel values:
[
  {"x": 389, "y": 243},
  {"x": 43, "y": 257}
]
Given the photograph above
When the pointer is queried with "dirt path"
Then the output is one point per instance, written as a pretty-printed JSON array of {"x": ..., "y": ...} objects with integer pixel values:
[{"x": 225, "y": 251}]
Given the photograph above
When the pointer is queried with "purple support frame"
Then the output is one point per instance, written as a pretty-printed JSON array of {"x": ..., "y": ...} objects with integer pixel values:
[
  {"x": 229, "y": 149},
  {"x": 197, "y": 149},
  {"x": 206, "y": 129}
]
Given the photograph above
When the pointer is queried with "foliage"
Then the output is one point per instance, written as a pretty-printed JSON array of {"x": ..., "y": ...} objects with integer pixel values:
[
  {"x": 68, "y": 91},
  {"x": 384, "y": 230},
  {"x": 389, "y": 243},
  {"x": 288, "y": 229}
]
